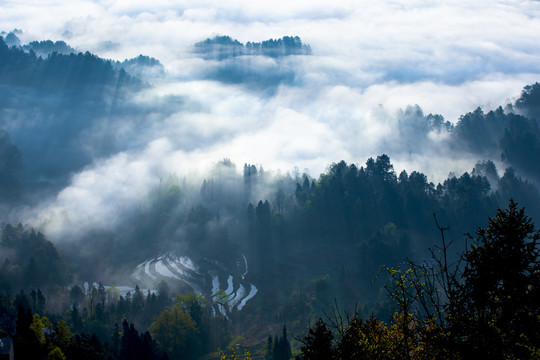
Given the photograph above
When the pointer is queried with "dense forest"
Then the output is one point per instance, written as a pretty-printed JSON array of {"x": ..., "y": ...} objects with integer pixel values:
[{"x": 342, "y": 265}]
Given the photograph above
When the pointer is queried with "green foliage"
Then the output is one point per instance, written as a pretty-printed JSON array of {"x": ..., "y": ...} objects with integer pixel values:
[
  {"x": 38, "y": 328},
  {"x": 404, "y": 338},
  {"x": 37, "y": 338},
  {"x": 62, "y": 335},
  {"x": 231, "y": 355},
  {"x": 177, "y": 333},
  {"x": 56, "y": 354}
]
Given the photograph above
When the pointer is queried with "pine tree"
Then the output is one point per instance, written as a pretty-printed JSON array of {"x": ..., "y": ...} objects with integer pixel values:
[
  {"x": 495, "y": 313},
  {"x": 269, "y": 348},
  {"x": 318, "y": 343},
  {"x": 282, "y": 347},
  {"x": 76, "y": 319}
]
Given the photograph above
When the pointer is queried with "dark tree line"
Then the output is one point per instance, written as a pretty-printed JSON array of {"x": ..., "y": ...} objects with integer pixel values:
[
  {"x": 37, "y": 337},
  {"x": 513, "y": 133},
  {"x": 57, "y": 71},
  {"x": 30, "y": 261},
  {"x": 223, "y": 47},
  {"x": 278, "y": 347},
  {"x": 89, "y": 329},
  {"x": 485, "y": 307}
]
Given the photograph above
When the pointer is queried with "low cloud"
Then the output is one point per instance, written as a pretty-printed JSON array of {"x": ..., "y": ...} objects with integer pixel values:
[{"x": 369, "y": 63}]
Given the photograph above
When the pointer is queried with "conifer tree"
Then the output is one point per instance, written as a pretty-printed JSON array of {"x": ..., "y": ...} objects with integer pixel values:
[
  {"x": 496, "y": 312},
  {"x": 318, "y": 343}
]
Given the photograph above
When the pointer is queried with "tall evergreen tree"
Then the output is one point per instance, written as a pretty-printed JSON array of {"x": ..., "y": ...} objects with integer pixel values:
[
  {"x": 496, "y": 312},
  {"x": 269, "y": 348},
  {"x": 317, "y": 345}
]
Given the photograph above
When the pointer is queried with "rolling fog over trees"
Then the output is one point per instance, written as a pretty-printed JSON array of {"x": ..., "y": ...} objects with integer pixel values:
[{"x": 256, "y": 185}]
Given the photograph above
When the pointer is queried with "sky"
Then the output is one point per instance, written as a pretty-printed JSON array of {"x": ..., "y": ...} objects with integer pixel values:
[{"x": 370, "y": 62}]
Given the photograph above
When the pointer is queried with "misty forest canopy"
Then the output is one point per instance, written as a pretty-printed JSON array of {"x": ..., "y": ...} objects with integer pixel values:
[
  {"x": 260, "y": 66},
  {"x": 222, "y": 47},
  {"x": 22, "y": 66},
  {"x": 46, "y": 92},
  {"x": 232, "y": 257}
]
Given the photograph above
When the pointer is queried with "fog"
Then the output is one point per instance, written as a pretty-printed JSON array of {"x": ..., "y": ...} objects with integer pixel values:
[{"x": 375, "y": 71}]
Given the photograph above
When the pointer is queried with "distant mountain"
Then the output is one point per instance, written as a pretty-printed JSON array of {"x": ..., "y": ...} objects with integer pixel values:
[
  {"x": 11, "y": 38},
  {"x": 223, "y": 47},
  {"x": 41, "y": 48},
  {"x": 242, "y": 64},
  {"x": 140, "y": 66},
  {"x": 49, "y": 106},
  {"x": 57, "y": 71},
  {"x": 137, "y": 66},
  {"x": 46, "y": 47}
]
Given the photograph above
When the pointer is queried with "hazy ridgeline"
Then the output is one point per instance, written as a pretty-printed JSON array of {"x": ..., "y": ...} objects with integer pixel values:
[{"x": 94, "y": 166}]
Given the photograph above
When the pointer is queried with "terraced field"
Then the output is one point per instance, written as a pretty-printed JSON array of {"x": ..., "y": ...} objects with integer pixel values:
[{"x": 227, "y": 288}]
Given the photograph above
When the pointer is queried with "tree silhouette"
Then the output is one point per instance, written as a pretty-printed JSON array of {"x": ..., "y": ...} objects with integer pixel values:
[
  {"x": 318, "y": 343},
  {"x": 496, "y": 312}
]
